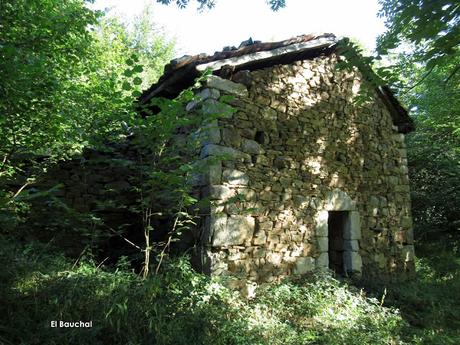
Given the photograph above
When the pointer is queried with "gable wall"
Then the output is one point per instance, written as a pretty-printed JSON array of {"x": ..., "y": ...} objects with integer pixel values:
[{"x": 299, "y": 149}]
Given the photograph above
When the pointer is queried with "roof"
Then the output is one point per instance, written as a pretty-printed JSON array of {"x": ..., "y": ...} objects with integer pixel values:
[{"x": 181, "y": 73}]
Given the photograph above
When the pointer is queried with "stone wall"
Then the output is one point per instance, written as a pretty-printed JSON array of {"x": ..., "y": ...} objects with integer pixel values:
[
  {"x": 95, "y": 178},
  {"x": 296, "y": 149},
  {"x": 91, "y": 195}
]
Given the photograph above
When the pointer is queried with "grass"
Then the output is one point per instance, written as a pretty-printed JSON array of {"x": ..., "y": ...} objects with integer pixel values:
[
  {"x": 180, "y": 306},
  {"x": 430, "y": 303}
]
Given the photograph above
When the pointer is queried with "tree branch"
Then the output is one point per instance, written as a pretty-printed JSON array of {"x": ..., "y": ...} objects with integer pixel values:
[
  {"x": 21, "y": 189},
  {"x": 456, "y": 69},
  {"x": 420, "y": 81},
  {"x": 124, "y": 238}
]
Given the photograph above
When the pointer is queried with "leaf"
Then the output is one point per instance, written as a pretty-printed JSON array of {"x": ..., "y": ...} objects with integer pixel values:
[
  {"x": 137, "y": 81},
  {"x": 138, "y": 69},
  {"x": 126, "y": 86}
]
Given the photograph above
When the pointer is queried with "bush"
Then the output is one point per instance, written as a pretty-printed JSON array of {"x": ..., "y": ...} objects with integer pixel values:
[
  {"x": 180, "y": 306},
  {"x": 431, "y": 302},
  {"x": 177, "y": 306},
  {"x": 330, "y": 312}
]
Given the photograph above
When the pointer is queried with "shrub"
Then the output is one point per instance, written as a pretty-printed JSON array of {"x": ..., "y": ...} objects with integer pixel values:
[{"x": 177, "y": 306}]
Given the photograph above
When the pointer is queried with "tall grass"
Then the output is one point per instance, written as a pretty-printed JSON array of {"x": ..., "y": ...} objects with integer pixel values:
[
  {"x": 179, "y": 306},
  {"x": 431, "y": 302}
]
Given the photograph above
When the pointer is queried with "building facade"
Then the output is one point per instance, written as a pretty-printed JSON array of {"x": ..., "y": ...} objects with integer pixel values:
[{"x": 303, "y": 175}]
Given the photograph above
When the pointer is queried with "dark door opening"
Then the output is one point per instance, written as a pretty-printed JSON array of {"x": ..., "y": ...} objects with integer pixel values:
[{"x": 337, "y": 221}]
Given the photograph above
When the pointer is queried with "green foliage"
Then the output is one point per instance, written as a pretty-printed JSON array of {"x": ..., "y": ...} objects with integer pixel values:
[
  {"x": 170, "y": 307},
  {"x": 430, "y": 302},
  {"x": 421, "y": 43},
  {"x": 143, "y": 38},
  {"x": 434, "y": 149},
  {"x": 426, "y": 31},
  {"x": 354, "y": 58},
  {"x": 430, "y": 27},
  {"x": 324, "y": 311},
  {"x": 69, "y": 80},
  {"x": 275, "y": 5},
  {"x": 41, "y": 46},
  {"x": 65, "y": 69}
]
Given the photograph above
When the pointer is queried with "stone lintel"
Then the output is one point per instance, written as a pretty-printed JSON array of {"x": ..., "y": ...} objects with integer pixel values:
[{"x": 338, "y": 200}]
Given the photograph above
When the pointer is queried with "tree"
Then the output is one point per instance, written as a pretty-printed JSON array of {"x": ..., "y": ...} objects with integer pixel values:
[
  {"x": 154, "y": 50},
  {"x": 41, "y": 45},
  {"x": 434, "y": 150},
  {"x": 426, "y": 73},
  {"x": 275, "y": 5},
  {"x": 429, "y": 28},
  {"x": 63, "y": 70},
  {"x": 69, "y": 79}
]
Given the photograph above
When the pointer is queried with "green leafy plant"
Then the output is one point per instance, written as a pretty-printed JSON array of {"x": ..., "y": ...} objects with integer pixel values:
[
  {"x": 275, "y": 5},
  {"x": 71, "y": 76},
  {"x": 168, "y": 143},
  {"x": 41, "y": 285}
]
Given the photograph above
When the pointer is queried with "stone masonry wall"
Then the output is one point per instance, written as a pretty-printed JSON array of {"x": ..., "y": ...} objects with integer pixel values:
[
  {"x": 97, "y": 182},
  {"x": 299, "y": 148}
]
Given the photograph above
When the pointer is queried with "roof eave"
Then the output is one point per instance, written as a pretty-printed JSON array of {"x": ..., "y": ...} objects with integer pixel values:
[{"x": 298, "y": 48}]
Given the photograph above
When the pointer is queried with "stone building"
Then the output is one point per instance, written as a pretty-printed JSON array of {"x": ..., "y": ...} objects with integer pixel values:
[{"x": 315, "y": 180}]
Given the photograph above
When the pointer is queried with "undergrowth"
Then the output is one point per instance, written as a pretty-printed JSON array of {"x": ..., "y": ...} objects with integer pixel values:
[
  {"x": 431, "y": 302},
  {"x": 179, "y": 306}
]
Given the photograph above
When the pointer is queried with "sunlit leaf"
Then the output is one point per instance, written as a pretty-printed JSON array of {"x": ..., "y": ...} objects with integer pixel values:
[{"x": 137, "y": 81}]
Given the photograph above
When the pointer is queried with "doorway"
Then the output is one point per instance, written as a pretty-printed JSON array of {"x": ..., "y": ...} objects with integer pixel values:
[{"x": 337, "y": 223}]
